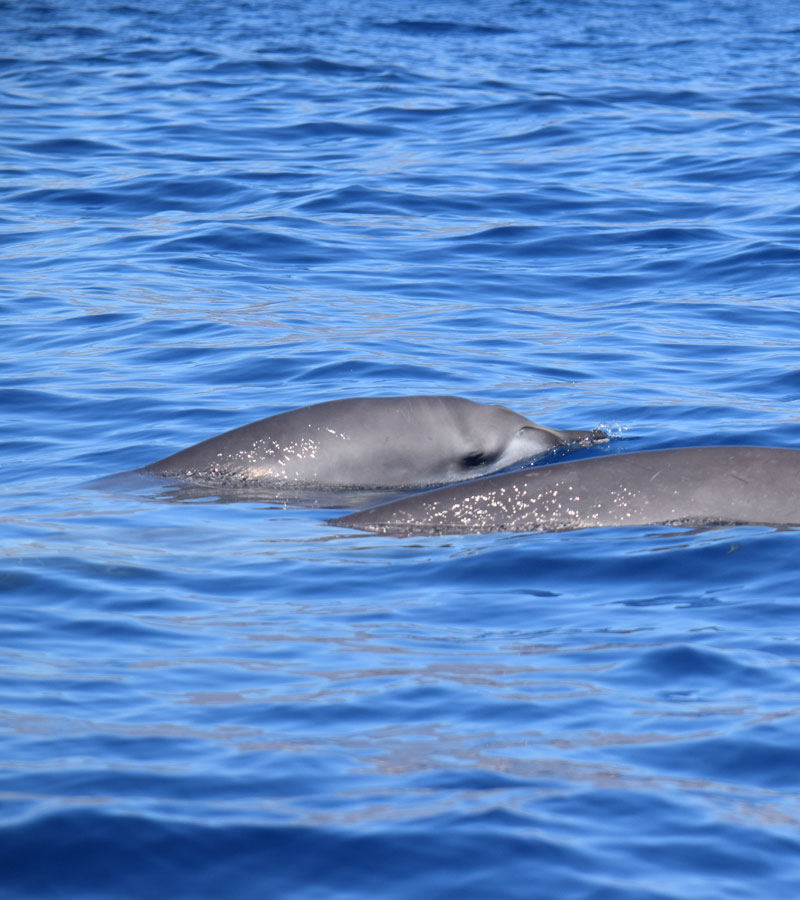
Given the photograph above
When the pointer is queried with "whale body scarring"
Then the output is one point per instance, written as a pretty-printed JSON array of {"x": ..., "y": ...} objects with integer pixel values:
[
  {"x": 698, "y": 487},
  {"x": 371, "y": 442}
]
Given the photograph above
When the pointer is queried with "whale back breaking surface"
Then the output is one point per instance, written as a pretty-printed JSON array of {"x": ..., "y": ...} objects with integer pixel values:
[
  {"x": 373, "y": 442},
  {"x": 700, "y": 487}
]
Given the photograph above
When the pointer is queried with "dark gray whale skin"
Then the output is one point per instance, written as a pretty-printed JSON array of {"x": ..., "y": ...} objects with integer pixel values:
[
  {"x": 371, "y": 442},
  {"x": 698, "y": 487}
]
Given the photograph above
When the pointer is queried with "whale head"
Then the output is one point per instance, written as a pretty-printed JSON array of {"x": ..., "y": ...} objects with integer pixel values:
[{"x": 370, "y": 442}]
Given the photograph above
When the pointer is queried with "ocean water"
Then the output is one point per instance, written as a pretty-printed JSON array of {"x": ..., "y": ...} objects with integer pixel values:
[{"x": 212, "y": 212}]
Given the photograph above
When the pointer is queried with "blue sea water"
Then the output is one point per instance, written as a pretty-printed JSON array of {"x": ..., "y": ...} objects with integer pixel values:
[{"x": 212, "y": 212}]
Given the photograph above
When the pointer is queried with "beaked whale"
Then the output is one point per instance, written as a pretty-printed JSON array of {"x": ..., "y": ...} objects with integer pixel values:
[
  {"x": 695, "y": 486},
  {"x": 370, "y": 442}
]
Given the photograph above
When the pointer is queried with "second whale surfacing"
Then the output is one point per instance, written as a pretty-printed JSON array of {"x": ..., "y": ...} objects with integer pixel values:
[
  {"x": 693, "y": 487},
  {"x": 382, "y": 443}
]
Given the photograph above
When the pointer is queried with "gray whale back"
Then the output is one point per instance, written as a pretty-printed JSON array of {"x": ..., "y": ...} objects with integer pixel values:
[
  {"x": 371, "y": 442},
  {"x": 699, "y": 486}
]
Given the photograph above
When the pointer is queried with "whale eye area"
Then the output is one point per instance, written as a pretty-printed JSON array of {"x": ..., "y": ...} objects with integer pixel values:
[{"x": 476, "y": 458}]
